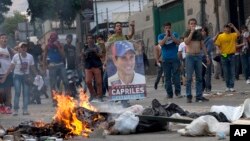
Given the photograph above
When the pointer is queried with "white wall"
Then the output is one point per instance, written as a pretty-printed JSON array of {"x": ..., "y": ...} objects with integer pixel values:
[
  {"x": 194, "y": 6},
  {"x": 144, "y": 28},
  {"x": 115, "y": 7}
]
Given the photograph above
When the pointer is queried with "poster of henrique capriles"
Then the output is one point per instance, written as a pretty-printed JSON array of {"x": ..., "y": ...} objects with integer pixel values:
[{"x": 125, "y": 69}]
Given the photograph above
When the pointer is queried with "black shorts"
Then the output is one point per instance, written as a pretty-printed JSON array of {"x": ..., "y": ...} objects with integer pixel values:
[{"x": 8, "y": 82}]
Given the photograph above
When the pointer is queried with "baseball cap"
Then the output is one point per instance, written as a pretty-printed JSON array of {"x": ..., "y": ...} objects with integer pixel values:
[
  {"x": 22, "y": 44},
  {"x": 122, "y": 47}
]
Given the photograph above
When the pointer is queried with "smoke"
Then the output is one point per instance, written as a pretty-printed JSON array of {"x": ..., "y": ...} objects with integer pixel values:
[{"x": 109, "y": 107}]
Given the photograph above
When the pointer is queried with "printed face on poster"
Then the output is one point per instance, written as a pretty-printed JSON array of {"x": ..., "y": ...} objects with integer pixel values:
[{"x": 125, "y": 68}]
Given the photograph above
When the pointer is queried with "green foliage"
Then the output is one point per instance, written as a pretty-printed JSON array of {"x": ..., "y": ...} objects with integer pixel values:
[
  {"x": 64, "y": 10},
  {"x": 42, "y": 9},
  {"x": 4, "y": 7},
  {"x": 10, "y": 23}
]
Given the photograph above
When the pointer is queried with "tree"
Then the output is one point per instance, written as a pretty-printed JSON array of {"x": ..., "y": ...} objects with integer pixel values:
[
  {"x": 64, "y": 10},
  {"x": 4, "y": 7},
  {"x": 10, "y": 23}
]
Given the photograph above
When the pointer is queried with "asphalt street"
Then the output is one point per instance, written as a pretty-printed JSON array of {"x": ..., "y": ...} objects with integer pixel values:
[{"x": 45, "y": 111}]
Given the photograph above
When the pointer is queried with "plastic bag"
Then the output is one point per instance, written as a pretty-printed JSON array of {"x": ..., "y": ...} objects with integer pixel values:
[
  {"x": 247, "y": 108},
  {"x": 126, "y": 123},
  {"x": 205, "y": 125},
  {"x": 232, "y": 113},
  {"x": 136, "y": 109},
  {"x": 38, "y": 81}
]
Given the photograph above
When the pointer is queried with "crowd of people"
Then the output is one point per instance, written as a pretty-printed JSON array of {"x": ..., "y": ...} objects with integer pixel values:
[
  {"x": 179, "y": 60},
  {"x": 196, "y": 55},
  {"x": 59, "y": 64}
]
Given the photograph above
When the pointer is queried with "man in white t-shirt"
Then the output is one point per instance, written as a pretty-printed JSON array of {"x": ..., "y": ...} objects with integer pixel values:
[
  {"x": 182, "y": 51},
  {"x": 5, "y": 87},
  {"x": 182, "y": 56}
]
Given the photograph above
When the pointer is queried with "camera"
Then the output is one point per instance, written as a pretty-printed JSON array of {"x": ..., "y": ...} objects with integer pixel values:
[
  {"x": 169, "y": 34},
  {"x": 198, "y": 27}
]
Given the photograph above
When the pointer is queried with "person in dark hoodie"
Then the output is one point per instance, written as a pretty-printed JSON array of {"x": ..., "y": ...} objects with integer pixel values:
[{"x": 207, "y": 68}]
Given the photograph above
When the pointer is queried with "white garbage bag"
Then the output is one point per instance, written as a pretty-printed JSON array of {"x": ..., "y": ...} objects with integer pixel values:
[
  {"x": 247, "y": 108},
  {"x": 136, "y": 109},
  {"x": 126, "y": 123},
  {"x": 38, "y": 81},
  {"x": 233, "y": 113},
  {"x": 197, "y": 127},
  {"x": 204, "y": 126}
]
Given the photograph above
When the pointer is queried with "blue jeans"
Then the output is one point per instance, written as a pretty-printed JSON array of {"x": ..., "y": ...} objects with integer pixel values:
[
  {"x": 194, "y": 64},
  {"x": 171, "y": 69},
  {"x": 228, "y": 65},
  {"x": 245, "y": 60},
  {"x": 18, "y": 83},
  {"x": 58, "y": 71}
]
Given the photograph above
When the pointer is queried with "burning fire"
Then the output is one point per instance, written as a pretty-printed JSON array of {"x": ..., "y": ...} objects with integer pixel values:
[
  {"x": 39, "y": 124},
  {"x": 66, "y": 113}
]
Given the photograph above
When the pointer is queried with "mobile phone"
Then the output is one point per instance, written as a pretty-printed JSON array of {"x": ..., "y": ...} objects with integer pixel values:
[{"x": 169, "y": 33}]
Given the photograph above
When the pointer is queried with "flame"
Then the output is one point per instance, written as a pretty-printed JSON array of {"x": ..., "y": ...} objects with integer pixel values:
[
  {"x": 39, "y": 124},
  {"x": 65, "y": 113}
]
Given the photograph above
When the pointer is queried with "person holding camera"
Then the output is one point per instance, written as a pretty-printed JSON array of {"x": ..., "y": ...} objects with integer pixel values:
[
  {"x": 92, "y": 62},
  {"x": 170, "y": 62},
  {"x": 245, "y": 53},
  {"x": 226, "y": 43}
]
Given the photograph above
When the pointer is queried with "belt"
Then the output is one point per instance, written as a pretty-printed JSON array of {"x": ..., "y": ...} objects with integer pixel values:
[
  {"x": 193, "y": 53},
  {"x": 54, "y": 64}
]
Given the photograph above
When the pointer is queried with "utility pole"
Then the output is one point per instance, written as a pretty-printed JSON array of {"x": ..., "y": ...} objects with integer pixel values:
[
  {"x": 107, "y": 13},
  {"x": 140, "y": 5},
  {"x": 96, "y": 14},
  {"x": 27, "y": 30},
  {"x": 216, "y": 10},
  {"x": 203, "y": 12},
  {"x": 238, "y": 13},
  {"x": 129, "y": 10}
]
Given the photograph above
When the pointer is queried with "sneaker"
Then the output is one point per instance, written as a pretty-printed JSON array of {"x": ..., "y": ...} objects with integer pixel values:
[
  {"x": 2, "y": 109},
  {"x": 248, "y": 81},
  {"x": 169, "y": 97},
  {"x": 7, "y": 110},
  {"x": 202, "y": 99},
  {"x": 26, "y": 113},
  {"x": 216, "y": 77},
  {"x": 179, "y": 96},
  {"x": 189, "y": 100},
  {"x": 232, "y": 90},
  {"x": 227, "y": 90},
  {"x": 15, "y": 113}
]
